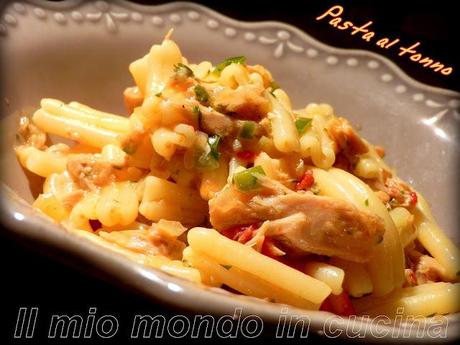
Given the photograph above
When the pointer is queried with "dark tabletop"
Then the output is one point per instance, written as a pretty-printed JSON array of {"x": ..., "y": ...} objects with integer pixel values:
[{"x": 33, "y": 279}]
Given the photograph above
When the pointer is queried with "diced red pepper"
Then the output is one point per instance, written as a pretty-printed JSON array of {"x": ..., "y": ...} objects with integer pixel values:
[
  {"x": 338, "y": 304},
  {"x": 231, "y": 232},
  {"x": 306, "y": 182},
  {"x": 245, "y": 235},
  {"x": 413, "y": 198},
  {"x": 246, "y": 155},
  {"x": 326, "y": 306},
  {"x": 241, "y": 233},
  {"x": 267, "y": 248}
]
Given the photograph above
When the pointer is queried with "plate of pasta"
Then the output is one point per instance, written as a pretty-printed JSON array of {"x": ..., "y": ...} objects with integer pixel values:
[{"x": 238, "y": 177}]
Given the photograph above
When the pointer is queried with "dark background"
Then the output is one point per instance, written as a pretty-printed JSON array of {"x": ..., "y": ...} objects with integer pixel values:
[{"x": 29, "y": 278}]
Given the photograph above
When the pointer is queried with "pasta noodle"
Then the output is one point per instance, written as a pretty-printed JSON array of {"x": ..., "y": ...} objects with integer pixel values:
[
  {"x": 331, "y": 275},
  {"x": 423, "y": 300},
  {"x": 214, "y": 178},
  {"x": 284, "y": 132},
  {"x": 435, "y": 241},
  {"x": 231, "y": 253},
  {"x": 74, "y": 129},
  {"x": 242, "y": 281},
  {"x": 356, "y": 279},
  {"x": 166, "y": 200},
  {"x": 344, "y": 185}
]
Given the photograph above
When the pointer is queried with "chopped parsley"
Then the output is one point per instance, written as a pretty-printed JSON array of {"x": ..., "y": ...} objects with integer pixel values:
[
  {"x": 302, "y": 123},
  {"x": 213, "y": 142},
  {"x": 197, "y": 112},
  {"x": 129, "y": 148},
  {"x": 274, "y": 85},
  {"x": 227, "y": 267},
  {"x": 366, "y": 202},
  {"x": 201, "y": 94},
  {"x": 183, "y": 71},
  {"x": 236, "y": 59},
  {"x": 248, "y": 130},
  {"x": 210, "y": 159},
  {"x": 186, "y": 263},
  {"x": 314, "y": 189},
  {"x": 246, "y": 180}
]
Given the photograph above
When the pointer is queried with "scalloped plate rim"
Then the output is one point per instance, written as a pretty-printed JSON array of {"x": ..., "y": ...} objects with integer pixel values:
[{"x": 69, "y": 4}]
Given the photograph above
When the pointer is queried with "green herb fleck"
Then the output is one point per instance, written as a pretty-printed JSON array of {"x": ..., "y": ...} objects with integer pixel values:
[
  {"x": 129, "y": 148},
  {"x": 197, "y": 112},
  {"x": 302, "y": 123},
  {"x": 186, "y": 263},
  {"x": 210, "y": 159},
  {"x": 248, "y": 129},
  {"x": 158, "y": 94},
  {"x": 201, "y": 94},
  {"x": 183, "y": 71},
  {"x": 366, "y": 202},
  {"x": 236, "y": 59},
  {"x": 207, "y": 162},
  {"x": 213, "y": 142},
  {"x": 315, "y": 189},
  {"x": 220, "y": 108},
  {"x": 274, "y": 85},
  {"x": 227, "y": 267},
  {"x": 247, "y": 180}
]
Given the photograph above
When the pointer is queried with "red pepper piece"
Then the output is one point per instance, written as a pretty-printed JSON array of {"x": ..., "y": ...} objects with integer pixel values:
[
  {"x": 338, "y": 304},
  {"x": 247, "y": 156},
  {"x": 306, "y": 182}
]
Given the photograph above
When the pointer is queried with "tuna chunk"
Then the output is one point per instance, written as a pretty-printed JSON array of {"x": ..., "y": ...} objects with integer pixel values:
[
  {"x": 245, "y": 103},
  {"x": 346, "y": 138},
  {"x": 314, "y": 224},
  {"x": 213, "y": 122},
  {"x": 29, "y": 134},
  {"x": 89, "y": 172}
]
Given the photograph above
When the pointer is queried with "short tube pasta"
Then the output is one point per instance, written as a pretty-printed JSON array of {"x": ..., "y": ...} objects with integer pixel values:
[
  {"x": 435, "y": 241},
  {"x": 228, "y": 252},
  {"x": 284, "y": 132},
  {"x": 75, "y": 129},
  {"x": 242, "y": 281},
  {"x": 40, "y": 162},
  {"x": 331, "y": 275},
  {"x": 86, "y": 114},
  {"x": 357, "y": 282},
  {"x": 166, "y": 200},
  {"x": 424, "y": 300}
]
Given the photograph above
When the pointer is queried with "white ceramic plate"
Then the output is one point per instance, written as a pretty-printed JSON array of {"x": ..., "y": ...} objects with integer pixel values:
[{"x": 76, "y": 50}]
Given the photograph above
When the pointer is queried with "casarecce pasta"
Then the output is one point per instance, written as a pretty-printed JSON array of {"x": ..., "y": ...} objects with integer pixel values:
[{"x": 215, "y": 178}]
